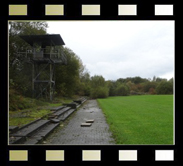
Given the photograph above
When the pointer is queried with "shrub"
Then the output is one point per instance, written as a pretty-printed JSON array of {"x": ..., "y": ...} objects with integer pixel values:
[
  {"x": 152, "y": 91},
  {"x": 87, "y": 91},
  {"x": 165, "y": 87},
  {"x": 122, "y": 90},
  {"x": 100, "y": 92},
  {"x": 18, "y": 102}
]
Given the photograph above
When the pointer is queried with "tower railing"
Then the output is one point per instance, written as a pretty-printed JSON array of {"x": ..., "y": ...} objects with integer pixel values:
[{"x": 43, "y": 54}]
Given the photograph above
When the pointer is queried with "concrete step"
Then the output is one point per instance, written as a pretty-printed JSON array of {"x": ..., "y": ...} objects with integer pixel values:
[
  {"x": 86, "y": 124},
  {"x": 89, "y": 121},
  {"x": 41, "y": 134},
  {"x": 35, "y": 132},
  {"x": 66, "y": 115},
  {"x": 26, "y": 125},
  {"x": 16, "y": 140},
  {"x": 78, "y": 106},
  {"x": 57, "y": 108},
  {"x": 62, "y": 111},
  {"x": 72, "y": 105},
  {"x": 30, "y": 129},
  {"x": 13, "y": 129},
  {"x": 84, "y": 101},
  {"x": 80, "y": 102}
]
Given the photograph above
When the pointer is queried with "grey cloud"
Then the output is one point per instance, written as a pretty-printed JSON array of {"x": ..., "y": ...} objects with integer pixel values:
[{"x": 118, "y": 49}]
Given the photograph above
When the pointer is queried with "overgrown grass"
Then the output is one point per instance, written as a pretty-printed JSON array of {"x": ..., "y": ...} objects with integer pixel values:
[
  {"x": 19, "y": 118},
  {"x": 146, "y": 119},
  {"x": 23, "y": 110},
  {"x": 19, "y": 102},
  {"x": 20, "y": 121}
]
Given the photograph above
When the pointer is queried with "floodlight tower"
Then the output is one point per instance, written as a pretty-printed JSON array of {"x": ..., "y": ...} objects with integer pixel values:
[{"x": 43, "y": 55}]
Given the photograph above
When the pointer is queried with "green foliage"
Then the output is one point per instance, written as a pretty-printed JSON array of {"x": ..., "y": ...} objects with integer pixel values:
[
  {"x": 19, "y": 118},
  {"x": 84, "y": 87},
  {"x": 122, "y": 90},
  {"x": 135, "y": 120},
  {"x": 99, "y": 88},
  {"x": 165, "y": 87},
  {"x": 112, "y": 88},
  {"x": 17, "y": 101},
  {"x": 118, "y": 88},
  {"x": 149, "y": 85},
  {"x": 87, "y": 90},
  {"x": 20, "y": 121},
  {"x": 100, "y": 92},
  {"x": 135, "y": 80},
  {"x": 67, "y": 77},
  {"x": 139, "y": 86},
  {"x": 97, "y": 81},
  {"x": 39, "y": 113}
]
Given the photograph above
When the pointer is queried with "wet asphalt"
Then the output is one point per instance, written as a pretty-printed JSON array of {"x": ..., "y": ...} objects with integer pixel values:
[{"x": 73, "y": 134}]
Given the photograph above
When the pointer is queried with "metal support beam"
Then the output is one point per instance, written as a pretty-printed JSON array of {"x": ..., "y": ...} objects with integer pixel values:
[{"x": 43, "y": 62}]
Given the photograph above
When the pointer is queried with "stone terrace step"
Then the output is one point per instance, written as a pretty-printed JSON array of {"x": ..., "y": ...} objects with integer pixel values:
[
  {"x": 57, "y": 108},
  {"x": 27, "y": 131},
  {"x": 80, "y": 100},
  {"x": 62, "y": 111},
  {"x": 35, "y": 132},
  {"x": 39, "y": 135},
  {"x": 13, "y": 129},
  {"x": 66, "y": 115},
  {"x": 84, "y": 100},
  {"x": 16, "y": 140},
  {"x": 72, "y": 105}
]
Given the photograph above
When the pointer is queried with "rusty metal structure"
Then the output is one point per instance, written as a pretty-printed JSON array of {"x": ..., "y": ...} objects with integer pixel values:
[{"x": 44, "y": 54}]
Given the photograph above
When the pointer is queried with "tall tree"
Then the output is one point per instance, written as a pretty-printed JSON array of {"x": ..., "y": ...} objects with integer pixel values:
[{"x": 67, "y": 76}]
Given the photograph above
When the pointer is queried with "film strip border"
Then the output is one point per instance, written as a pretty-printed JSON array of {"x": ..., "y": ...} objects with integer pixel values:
[
  {"x": 98, "y": 154},
  {"x": 89, "y": 155},
  {"x": 90, "y": 10}
]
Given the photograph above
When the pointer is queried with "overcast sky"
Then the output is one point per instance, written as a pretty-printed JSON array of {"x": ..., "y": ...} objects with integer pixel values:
[{"x": 120, "y": 49}]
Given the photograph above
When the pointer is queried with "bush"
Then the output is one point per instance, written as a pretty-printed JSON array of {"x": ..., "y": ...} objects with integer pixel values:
[
  {"x": 152, "y": 91},
  {"x": 149, "y": 87},
  {"x": 122, "y": 90},
  {"x": 100, "y": 92},
  {"x": 165, "y": 87},
  {"x": 19, "y": 102},
  {"x": 87, "y": 91}
]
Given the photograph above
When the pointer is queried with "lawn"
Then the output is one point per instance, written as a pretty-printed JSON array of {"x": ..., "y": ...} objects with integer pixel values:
[{"x": 146, "y": 119}]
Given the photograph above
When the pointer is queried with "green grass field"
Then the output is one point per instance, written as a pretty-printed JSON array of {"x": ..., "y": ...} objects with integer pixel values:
[{"x": 146, "y": 119}]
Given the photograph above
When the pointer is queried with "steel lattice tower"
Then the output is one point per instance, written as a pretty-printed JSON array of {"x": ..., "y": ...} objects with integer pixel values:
[{"x": 44, "y": 54}]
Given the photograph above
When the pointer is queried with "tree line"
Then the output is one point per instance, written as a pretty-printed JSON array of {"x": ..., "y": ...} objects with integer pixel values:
[
  {"x": 99, "y": 88},
  {"x": 73, "y": 78}
]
